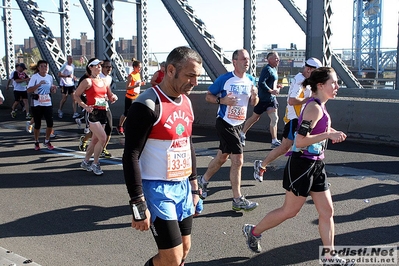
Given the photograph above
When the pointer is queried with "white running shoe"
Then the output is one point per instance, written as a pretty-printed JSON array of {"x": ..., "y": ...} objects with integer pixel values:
[{"x": 28, "y": 127}]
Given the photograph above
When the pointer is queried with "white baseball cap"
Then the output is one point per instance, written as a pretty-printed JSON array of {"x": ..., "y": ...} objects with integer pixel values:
[
  {"x": 95, "y": 62},
  {"x": 313, "y": 62}
]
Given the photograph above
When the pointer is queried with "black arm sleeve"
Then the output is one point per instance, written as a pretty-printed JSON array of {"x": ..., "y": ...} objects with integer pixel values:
[
  {"x": 193, "y": 159},
  {"x": 138, "y": 126}
]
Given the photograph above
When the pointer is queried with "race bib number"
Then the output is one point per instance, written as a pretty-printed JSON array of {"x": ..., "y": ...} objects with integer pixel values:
[
  {"x": 44, "y": 98},
  {"x": 237, "y": 112},
  {"x": 179, "y": 163},
  {"x": 101, "y": 102}
]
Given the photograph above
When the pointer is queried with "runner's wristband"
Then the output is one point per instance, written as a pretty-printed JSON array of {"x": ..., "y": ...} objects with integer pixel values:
[
  {"x": 197, "y": 192},
  {"x": 192, "y": 178},
  {"x": 138, "y": 210}
]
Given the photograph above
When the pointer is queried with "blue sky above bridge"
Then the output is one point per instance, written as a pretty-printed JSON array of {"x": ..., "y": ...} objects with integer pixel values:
[{"x": 223, "y": 19}]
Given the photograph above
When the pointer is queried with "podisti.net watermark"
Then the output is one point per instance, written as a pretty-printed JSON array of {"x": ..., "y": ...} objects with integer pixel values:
[{"x": 359, "y": 254}]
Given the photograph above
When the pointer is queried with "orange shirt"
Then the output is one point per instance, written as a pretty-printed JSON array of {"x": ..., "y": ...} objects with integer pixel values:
[{"x": 133, "y": 93}]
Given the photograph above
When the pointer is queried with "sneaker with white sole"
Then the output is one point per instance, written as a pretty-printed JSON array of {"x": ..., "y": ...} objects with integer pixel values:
[
  {"x": 48, "y": 145},
  {"x": 105, "y": 154},
  {"x": 85, "y": 166},
  {"x": 244, "y": 205},
  {"x": 253, "y": 242},
  {"x": 75, "y": 115},
  {"x": 242, "y": 138},
  {"x": 60, "y": 113},
  {"x": 258, "y": 170},
  {"x": 28, "y": 127},
  {"x": 96, "y": 169},
  {"x": 275, "y": 144},
  {"x": 78, "y": 122},
  {"x": 82, "y": 143},
  {"x": 203, "y": 186}
]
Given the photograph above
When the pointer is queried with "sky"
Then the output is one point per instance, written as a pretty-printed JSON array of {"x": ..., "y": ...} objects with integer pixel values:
[{"x": 223, "y": 19}]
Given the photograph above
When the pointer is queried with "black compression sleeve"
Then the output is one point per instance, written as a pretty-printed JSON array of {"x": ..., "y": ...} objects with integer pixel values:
[{"x": 138, "y": 126}]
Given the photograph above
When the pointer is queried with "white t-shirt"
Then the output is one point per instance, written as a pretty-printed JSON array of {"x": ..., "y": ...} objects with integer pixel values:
[
  {"x": 108, "y": 78},
  {"x": 296, "y": 90},
  {"x": 67, "y": 70},
  {"x": 43, "y": 91}
]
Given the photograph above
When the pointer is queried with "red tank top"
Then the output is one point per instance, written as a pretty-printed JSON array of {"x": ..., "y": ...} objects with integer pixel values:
[
  {"x": 96, "y": 94},
  {"x": 160, "y": 76}
]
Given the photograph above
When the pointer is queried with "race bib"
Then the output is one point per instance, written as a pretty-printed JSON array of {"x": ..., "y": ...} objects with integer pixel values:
[
  {"x": 101, "y": 102},
  {"x": 237, "y": 112},
  {"x": 179, "y": 162},
  {"x": 44, "y": 98}
]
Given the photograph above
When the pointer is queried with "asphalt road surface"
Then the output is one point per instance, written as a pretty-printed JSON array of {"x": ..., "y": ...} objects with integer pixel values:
[{"x": 54, "y": 213}]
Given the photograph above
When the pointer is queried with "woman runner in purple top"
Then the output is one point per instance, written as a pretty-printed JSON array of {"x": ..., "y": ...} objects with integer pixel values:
[{"x": 304, "y": 173}]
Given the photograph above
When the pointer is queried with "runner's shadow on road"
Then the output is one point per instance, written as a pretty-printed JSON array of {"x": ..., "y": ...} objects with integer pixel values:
[
  {"x": 306, "y": 253},
  {"x": 82, "y": 218}
]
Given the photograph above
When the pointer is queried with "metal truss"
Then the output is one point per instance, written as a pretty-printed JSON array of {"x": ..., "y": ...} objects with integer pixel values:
[
  {"x": 195, "y": 33},
  {"x": 142, "y": 41},
  {"x": 44, "y": 38},
  {"x": 8, "y": 42},
  {"x": 103, "y": 35},
  {"x": 88, "y": 9},
  {"x": 317, "y": 12},
  {"x": 367, "y": 35},
  {"x": 249, "y": 33},
  {"x": 66, "y": 43}
]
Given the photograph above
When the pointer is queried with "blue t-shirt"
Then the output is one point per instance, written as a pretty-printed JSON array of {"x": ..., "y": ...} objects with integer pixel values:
[
  {"x": 267, "y": 78},
  {"x": 228, "y": 84}
]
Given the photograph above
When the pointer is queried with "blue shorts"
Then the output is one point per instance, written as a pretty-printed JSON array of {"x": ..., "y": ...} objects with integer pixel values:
[
  {"x": 168, "y": 200},
  {"x": 290, "y": 128}
]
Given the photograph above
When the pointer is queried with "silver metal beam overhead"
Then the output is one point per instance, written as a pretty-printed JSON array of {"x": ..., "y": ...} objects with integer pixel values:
[
  {"x": 8, "y": 42},
  {"x": 103, "y": 36},
  {"x": 249, "y": 33},
  {"x": 142, "y": 41},
  {"x": 45, "y": 40},
  {"x": 194, "y": 30},
  {"x": 305, "y": 22},
  {"x": 66, "y": 43},
  {"x": 88, "y": 8}
]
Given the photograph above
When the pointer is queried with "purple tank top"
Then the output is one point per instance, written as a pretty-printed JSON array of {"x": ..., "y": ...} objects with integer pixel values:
[{"x": 322, "y": 126}]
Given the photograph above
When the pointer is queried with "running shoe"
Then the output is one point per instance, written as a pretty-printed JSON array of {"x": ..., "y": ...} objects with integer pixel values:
[
  {"x": 78, "y": 122},
  {"x": 48, "y": 145},
  {"x": 242, "y": 138},
  {"x": 28, "y": 127},
  {"x": 82, "y": 143},
  {"x": 121, "y": 131},
  {"x": 258, "y": 170},
  {"x": 60, "y": 113},
  {"x": 28, "y": 116},
  {"x": 37, "y": 146},
  {"x": 244, "y": 205},
  {"x": 75, "y": 115},
  {"x": 86, "y": 130},
  {"x": 253, "y": 242},
  {"x": 53, "y": 136},
  {"x": 275, "y": 144},
  {"x": 105, "y": 154},
  {"x": 203, "y": 186},
  {"x": 85, "y": 166},
  {"x": 13, "y": 114},
  {"x": 96, "y": 169}
]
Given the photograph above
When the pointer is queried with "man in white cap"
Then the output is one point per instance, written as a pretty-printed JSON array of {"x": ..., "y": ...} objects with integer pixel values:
[{"x": 297, "y": 97}]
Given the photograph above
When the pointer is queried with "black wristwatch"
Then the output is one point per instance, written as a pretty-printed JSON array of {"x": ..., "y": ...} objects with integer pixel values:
[
  {"x": 196, "y": 192},
  {"x": 218, "y": 100}
]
